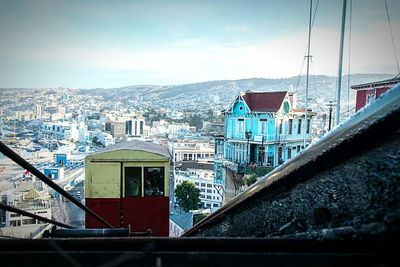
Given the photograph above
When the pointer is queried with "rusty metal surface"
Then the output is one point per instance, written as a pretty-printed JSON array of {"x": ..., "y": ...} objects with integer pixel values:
[{"x": 311, "y": 191}]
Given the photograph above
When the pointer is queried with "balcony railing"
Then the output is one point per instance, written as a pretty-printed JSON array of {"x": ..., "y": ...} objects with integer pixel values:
[{"x": 292, "y": 137}]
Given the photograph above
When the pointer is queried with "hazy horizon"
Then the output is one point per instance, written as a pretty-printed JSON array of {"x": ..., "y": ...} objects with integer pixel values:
[{"x": 219, "y": 80}]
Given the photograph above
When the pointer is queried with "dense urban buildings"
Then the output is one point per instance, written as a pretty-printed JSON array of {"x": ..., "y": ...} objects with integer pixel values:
[{"x": 220, "y": 145}]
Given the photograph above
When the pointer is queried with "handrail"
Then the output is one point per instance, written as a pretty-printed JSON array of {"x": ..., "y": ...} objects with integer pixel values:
[
  {"x": 8, "y": 152},
  {"x": 28, "y": 214}
]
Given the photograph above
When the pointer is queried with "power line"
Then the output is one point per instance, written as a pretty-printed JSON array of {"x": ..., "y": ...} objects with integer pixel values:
[
  {"x": 391, "y": 35},
  {"x": 305, "y": 52}
]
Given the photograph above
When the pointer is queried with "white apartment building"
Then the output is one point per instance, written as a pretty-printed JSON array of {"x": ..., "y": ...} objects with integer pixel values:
[
  {"x": 191, "y": 150},
  {"x": 175, "y": 128},
  {"x": 60, "y": 130},
  {"x": 39, "y": 110},
  {"x": 134, "y": 127},
  {"x": 25, "y": 115},
  {"x": 202, "y": 175},
  {"x": 30, "y": 196},
  {"x": 106, "y": 139}
]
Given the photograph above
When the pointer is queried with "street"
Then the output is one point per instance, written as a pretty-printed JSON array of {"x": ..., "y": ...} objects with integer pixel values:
[{"x": 66, "y": 212}]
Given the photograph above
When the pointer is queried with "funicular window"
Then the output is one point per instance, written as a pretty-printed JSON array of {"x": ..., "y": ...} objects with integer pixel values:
[
  {"x": 154, "y": 181},
  {"x": 133, "y": 178}
]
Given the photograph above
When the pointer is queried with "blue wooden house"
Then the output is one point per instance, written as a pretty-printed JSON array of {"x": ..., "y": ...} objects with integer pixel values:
[{"x": 262, "y": 129}]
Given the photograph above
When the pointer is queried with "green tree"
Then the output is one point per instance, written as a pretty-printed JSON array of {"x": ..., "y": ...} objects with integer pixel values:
[
  {"x": 251, "y": 179},
  {"x": 196, "y": 120},
  {"x": 188, "y": 196}
]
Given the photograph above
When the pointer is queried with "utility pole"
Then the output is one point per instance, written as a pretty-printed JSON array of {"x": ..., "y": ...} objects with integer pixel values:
[
  {"x": 330, "y": 105},
  {"x": 14, "y": 131},
  {"x": 308, "y": 74},
  {"x": 248, "y": 136},
  {"x": 337, "y": 119},
  {"x": 262, "y": 150}
]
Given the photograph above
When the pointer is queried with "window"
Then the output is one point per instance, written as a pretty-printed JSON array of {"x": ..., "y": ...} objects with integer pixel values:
[
  {"x": 208, "y": 197},
  {"x": 190, "y": 157},
  {"x": 240, "y": 125},
  {"x": 196, "y": 183},
  {"x": 202, "y": 190},
  {"x": 290, "y": 125},
  {"x": 153, "y": 181},
  {"x": 270, "y": 159},
  {"x": 14, "y": 215},
  {"x": 28, "y": 221},
  {"x": 299, "y": 127},
  {"x": 280, "y": 127},
  {"x": 289, "y": 153},
  {"x": 370, "y": 96},
  {"x": 263, "y": 126},
  {"x": 133, "y": 178},
  {"x": 203, "y": 184},
  {"x": 185, "y": 156},
  {"x": 298, "y": 148},
  {"x": 215, "y": 205},
  {"x": 308, "y": 125},
  {"x": 209, "y": 191},
  {"x": 15, "y": 223},
  {"x": 209, "y": 185}
]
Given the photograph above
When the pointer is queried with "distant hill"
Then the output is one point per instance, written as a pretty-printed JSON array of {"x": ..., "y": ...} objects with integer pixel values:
[{"x": 198, "y": 95}]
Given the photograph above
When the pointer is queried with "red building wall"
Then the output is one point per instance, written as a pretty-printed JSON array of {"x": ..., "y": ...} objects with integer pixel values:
[
  {"x": 360, "y": 99},
  {"x": 381, "y": 90}
]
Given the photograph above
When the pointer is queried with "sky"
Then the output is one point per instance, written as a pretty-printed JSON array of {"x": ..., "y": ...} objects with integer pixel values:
[{"x": 106, "y": 44}]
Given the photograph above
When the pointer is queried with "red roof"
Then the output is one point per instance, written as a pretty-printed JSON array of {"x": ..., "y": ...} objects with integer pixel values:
[{"x": 264, "y": 101}]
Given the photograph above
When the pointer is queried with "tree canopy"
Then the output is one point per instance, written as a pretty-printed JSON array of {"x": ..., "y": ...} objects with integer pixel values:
[{"x": 188, "y": 195}]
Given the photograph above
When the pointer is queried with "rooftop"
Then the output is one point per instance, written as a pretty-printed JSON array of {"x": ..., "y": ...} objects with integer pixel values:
[
  {"x": 376, "y": 84},
  {"x": 264, "y": 101},
  {"x": 196, "y": 165},
  {"x": 183, "y": 220},
  {"x": 138, "y": 146}
]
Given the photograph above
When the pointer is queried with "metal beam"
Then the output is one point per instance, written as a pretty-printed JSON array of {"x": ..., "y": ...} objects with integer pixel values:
[
  {"x": 8, "y": 152},
  {"x": 28, "y": 214}
]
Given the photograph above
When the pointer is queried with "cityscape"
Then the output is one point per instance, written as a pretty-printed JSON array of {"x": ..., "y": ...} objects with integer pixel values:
[
  {"x": 213, "y": 145},
  {"x": 192, "y": 133}
]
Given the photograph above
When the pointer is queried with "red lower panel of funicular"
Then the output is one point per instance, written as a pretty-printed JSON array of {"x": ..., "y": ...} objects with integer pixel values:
[
  {"x": 141, "y": 213},
  {"x": 107, "y": 208}
]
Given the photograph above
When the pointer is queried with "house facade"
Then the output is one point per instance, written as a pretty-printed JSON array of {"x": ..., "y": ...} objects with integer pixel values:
[
  {"x": 368, "y": 92},
  {"x": 261, "y": 129}
]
